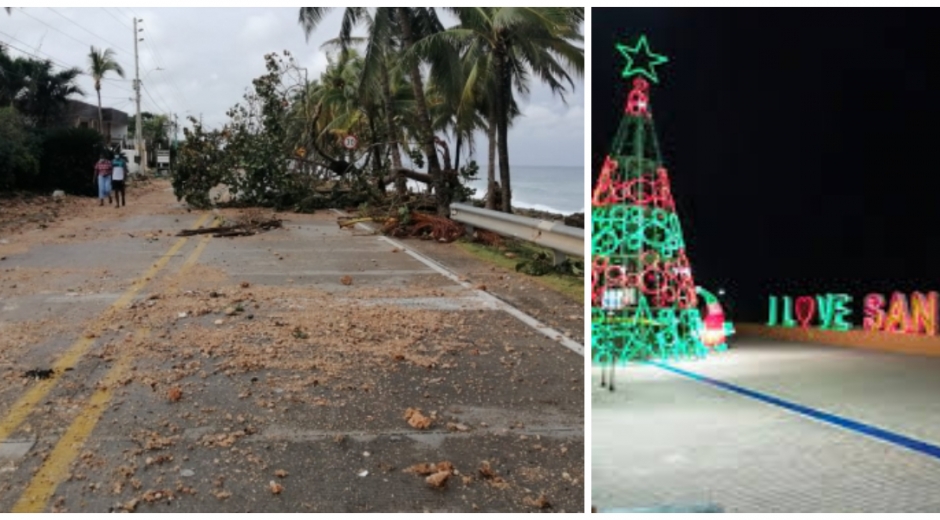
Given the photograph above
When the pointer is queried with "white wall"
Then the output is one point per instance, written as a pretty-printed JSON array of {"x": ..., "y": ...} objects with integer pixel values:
[{"x": 132, "y": 167}]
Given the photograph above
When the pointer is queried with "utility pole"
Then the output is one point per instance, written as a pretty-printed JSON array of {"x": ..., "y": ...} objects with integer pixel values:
[{"x": 138, "y": 133}]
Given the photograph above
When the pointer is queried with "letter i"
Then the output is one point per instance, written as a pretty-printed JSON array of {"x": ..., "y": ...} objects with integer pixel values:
[
  {"x": 772, "y": 312},
  {"x": 788, "y": 320}
]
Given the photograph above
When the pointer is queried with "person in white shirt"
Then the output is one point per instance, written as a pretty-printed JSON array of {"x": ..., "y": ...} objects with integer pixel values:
[{"x": 118, "y": 172}]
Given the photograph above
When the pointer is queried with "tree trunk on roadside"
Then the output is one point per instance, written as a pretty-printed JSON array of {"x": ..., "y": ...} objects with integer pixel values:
[
  {"x": 441, "y": 193},
  {"x": 376, "y": 157},
  {"x": 401, "y": 185},
  {"x": 100, "y": 117},
  {"x": 491, "y": 165},
  {"x": 503, "y": 95}
]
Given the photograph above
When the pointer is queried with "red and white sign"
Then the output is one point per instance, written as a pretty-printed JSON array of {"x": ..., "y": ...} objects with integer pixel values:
[{"x": 350, "y": 142}]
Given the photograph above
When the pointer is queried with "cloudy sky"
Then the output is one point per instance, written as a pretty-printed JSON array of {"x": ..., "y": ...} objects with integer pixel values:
[{"x": 199, "y": 61}]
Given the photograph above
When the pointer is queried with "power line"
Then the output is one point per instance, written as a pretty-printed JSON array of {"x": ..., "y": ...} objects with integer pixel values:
[
  {"x": 73, "y": 22},
  {"x": 116, "y": 18},
  {"x": 162, "y": 100},
  {"x": 161, "y": 63},
  {"x": 53, "y": 28},
  {"x": 125, "y": 89},
  {"x": 155, "y": 104},
  {"x": 49, "y": 58},
  {"x": 66, "y": 34},
  {"x": 121, "y": 11}
]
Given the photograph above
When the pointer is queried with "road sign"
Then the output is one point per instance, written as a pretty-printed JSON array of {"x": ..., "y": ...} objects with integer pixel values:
[
  {"x": 350, "y": 142},
  {"x": 163, "y": 157}
]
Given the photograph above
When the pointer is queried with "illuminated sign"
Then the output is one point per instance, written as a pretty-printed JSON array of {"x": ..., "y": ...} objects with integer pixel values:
[
  {"x": 920, "y": 317},
  {"x": 831, "y": 311}
]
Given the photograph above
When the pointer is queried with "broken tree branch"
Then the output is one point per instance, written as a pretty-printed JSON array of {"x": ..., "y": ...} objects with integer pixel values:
[{"x": 234, "y": 230}]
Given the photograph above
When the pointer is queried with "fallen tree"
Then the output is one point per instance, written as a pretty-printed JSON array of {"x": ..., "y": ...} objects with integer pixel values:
[{"x": 236, "y": 230}]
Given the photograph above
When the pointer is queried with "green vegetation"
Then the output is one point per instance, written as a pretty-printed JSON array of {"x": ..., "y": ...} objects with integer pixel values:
[
  {"x": 38, "y": 151},
  {"x": 18, "y": 150},
  {"x": 567, "y": 279}
]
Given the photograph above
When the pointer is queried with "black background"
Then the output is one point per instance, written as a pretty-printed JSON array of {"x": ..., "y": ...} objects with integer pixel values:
[{"x": 803, "y": 145}]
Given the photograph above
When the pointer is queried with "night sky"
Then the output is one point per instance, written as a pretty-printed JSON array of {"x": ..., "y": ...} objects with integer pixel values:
[{"x": 803, "y": 145}]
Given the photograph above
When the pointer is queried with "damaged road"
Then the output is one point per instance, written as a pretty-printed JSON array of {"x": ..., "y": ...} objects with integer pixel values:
[{"x": 301, "y": 368}]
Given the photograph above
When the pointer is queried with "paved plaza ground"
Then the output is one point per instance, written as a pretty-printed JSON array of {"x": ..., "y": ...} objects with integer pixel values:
[{"x": 770, "y": 426}]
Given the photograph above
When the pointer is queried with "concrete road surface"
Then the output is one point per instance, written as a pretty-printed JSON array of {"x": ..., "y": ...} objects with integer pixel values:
[{"x": 308, "y": 369}]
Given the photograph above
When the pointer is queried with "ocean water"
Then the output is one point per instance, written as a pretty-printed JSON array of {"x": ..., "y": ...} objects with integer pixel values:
[{"x": 557, "y": 189}]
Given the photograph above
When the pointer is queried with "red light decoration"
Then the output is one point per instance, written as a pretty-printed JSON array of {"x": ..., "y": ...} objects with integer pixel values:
[
  {"x": 714, "y": 325},
  {"x": 918, "y": 318},
  {"x": 605, "y": 192},
  {"x": 805, "y": 308},
  {"x": 874, "y": 315},
  {"x": 638, "y": 100},
  {"x": 923, "y": 314},
  {"x": 898, "y": 313}
]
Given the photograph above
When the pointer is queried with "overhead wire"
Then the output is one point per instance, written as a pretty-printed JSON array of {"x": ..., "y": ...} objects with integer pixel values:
[
  {"x": 49, "y": 59},
  {"x": 162, "y": 63},
  {"x": 155, "y": 104},
  {"x": 105, "y": 9},
  {"x": 121, "y": 11},
  {"x": 73, "y": 22},
  {"x": 175, "y": 93},
  {"x": 162, "y": 99},
  {"x": 54, "y": 60},
  {"x": 23, "y": 11}
]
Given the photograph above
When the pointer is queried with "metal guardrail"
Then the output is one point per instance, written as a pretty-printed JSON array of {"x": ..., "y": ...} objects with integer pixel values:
[{"x": 563, "y": 240}]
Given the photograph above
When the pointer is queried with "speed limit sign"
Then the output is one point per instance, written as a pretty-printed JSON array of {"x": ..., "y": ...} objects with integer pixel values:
[{"x": 350, "y": 142}]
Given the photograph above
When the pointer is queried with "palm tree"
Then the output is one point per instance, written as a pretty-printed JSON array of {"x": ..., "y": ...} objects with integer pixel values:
[
  {"x": 506, "y": 45},
  {"x": 374, "y": 77},
  {"x": 36, "y": 90},
  {"x": 392, "y": 29},
  {"x": 155, "y": 129},
  {"x": 100, "y": 63}
]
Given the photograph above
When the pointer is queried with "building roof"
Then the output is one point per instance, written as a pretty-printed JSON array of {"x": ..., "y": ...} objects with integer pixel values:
[{"x": 81, "y": 110}]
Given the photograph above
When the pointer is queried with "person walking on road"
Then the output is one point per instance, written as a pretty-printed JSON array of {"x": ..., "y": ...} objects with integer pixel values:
[
  {"x": 103, "y": 177},
  {"x": 118, "y": 172}
]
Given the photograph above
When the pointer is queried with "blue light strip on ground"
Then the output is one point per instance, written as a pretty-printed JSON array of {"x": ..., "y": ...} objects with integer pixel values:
[{"x": 855, "y": 426}]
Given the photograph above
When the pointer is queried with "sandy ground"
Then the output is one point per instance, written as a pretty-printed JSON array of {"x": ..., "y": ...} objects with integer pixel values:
[{"x": 302, "y": 369}]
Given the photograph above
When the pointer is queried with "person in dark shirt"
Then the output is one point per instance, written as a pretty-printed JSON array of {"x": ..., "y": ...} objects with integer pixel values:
[{"x": 118, "y": 176}]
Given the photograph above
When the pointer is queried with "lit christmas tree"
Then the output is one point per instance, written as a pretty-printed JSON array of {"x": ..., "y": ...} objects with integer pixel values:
[{"x": 644, "y": 301}]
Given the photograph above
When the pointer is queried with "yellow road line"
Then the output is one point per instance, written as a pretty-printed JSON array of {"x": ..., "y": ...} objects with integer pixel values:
[
  {"x": 198, "y": 251},
  {"x": 25, "y": 404},
  {"x": 56, "y": 467}
]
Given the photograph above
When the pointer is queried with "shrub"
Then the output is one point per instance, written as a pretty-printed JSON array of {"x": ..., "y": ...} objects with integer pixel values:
[
  {"x": 68, "y": 160},
  {"x": 19, "y": 151}
]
